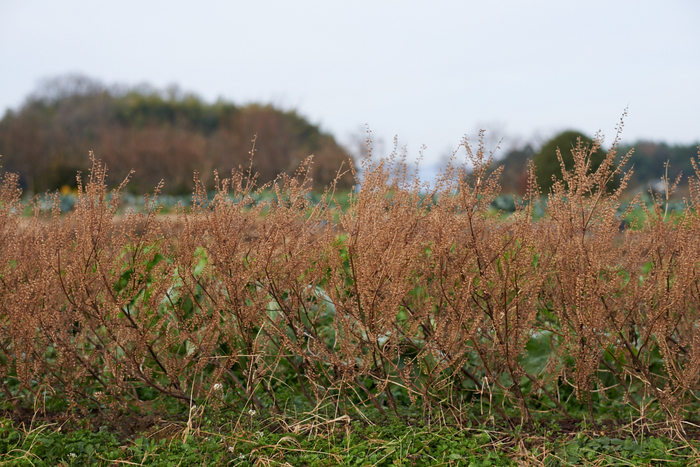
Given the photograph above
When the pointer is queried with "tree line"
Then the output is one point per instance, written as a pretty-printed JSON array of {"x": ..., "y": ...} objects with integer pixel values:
[
  {"x": 648, "y": 161},
  {"x": 169, "y": 134},
  {"x": 161, "y": 134}
]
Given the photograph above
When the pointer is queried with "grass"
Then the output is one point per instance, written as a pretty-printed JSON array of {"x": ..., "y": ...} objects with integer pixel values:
[
  {"x": 302, "y": 435},
  {"x": 225, "y": 439}
]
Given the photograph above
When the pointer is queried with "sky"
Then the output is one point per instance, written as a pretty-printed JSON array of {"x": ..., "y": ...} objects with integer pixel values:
[{"x": 427, "y": 73}]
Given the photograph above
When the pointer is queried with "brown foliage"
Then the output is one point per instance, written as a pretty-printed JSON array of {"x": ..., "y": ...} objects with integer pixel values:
[
  {"x": 158, "y": 136},
  {"x": 430, "y": 298}
]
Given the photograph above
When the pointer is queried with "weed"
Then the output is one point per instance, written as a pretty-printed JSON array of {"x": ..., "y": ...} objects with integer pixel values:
[{"x": 404, "y": 299}]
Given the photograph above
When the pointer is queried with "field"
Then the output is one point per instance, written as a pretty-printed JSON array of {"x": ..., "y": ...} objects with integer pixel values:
[{"x": 390, "y": 327}]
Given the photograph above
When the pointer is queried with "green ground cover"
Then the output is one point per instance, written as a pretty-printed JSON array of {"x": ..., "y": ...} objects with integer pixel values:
[{"x": 255, "y": 440}]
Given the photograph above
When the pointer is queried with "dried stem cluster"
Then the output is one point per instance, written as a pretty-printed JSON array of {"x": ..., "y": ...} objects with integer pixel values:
[{"x": 402, "y": 298}]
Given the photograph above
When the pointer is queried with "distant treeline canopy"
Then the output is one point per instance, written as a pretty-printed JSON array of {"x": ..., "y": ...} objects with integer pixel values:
[
  {"x": 648, "y": 161},
  {"x": 162, "y": 135}
]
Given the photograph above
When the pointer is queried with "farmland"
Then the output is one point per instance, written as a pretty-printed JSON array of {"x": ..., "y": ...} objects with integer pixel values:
[{"x": 296, "y": 319}]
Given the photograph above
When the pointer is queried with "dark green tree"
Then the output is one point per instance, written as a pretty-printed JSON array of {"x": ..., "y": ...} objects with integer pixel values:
[
  {"x": 547, "y": 162},
  {"x": 649, "y": 161}
]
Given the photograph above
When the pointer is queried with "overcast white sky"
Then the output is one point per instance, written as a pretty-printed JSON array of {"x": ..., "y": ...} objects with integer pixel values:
[{"x": 429, "y": 72}]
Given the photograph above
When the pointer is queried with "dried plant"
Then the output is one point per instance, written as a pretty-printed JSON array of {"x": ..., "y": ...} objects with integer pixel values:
[{"x": 410, "y": 295}]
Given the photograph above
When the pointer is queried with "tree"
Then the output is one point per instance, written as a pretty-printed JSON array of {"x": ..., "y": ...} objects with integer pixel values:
[
  {"x": 162, "y": 135},
  {"x": 547, "y": 162},
  {"x": 514, "y": 177}
]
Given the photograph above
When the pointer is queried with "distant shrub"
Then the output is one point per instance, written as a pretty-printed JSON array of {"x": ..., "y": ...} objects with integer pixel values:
[{"x": 565, "y": 144}]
